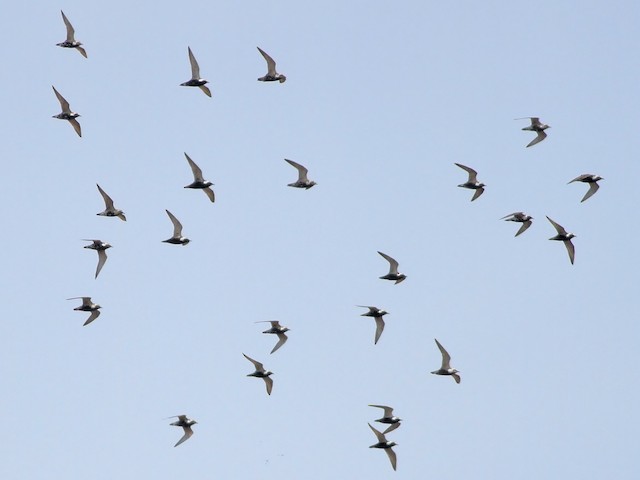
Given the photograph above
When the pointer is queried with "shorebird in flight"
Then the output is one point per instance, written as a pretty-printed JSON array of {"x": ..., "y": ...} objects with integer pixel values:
[
  {"x": 446, "y": 369},
  {"x": 564, "y": 237},
  {"x": 519, "y": 217},
  {"x": 70, "y": 42},
  {"x": 271, "y": 75},
  {"x": 100, "y": 247},
  {"x": 384, "y": 444},
  {"x": 109, "y": 209},
  {"x": 303, "y": 181},
  {"x": 592, "y": 180},
  {"x": 261, "y": 373},
  {"x": 388, "y": 418},
  {"x": 278, "y": 330},
  {"x": 536, "y": 126},
  {"x": 393, "y": 270},
  {"x": 66, "y": 113},
  {"x": 472, "y": 183},
  {"x": 198, "y": 180},
  {"x": 196, "y": 81},
  {"x": 185, "y": 423},
  {"x": 177, "y": 238},
  {"x": 88, "y": 306},
  {"x": 377, "y": 315}
]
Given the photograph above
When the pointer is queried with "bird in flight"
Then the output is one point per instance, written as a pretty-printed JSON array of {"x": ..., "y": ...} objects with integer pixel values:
[
  {"x": 70, "y": 42},
  {"x": 592, "y": 180},
  {"x": 536, "y": 126},
  {"x": 198, "y": 180},
  {"x": 66, "y": 113},
  {"x": 100, "y": 247},
  {"x": 185, "y": 423},
  {"x": 109, "y": 209},
  {"x": 271, "y": 75},
  {"x": 564, "y": 237},
  {"x": 88, "y": 306},
  {"x": 196, "y": 81},
  {"x": 384, "y": 444},
  {"x": 393, "y": 270},
  {"x": 446, "y": 369},
  {"x": 177, "y": 238},
  {"x": 472, "y": 182},
  {"x": 261, "y": 373},
  {"x": 388, "y": 418},
  {"x": 520, "y": 217},
  {"x": 303, "y": 181},
  {"x": 278, "y": 330},
  {"x": 377, "y": 315}
]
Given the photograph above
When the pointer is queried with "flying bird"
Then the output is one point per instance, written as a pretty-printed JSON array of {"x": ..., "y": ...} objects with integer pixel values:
[
  {"x": 388, "y": 418},
  {"x": 70, "y": 42},
  {"x": 100, "y": 247},
  {"x": 186, "y": 424},
  {"x": 67, "y": 114},
  {"x": 196, "y": 81},
  {"x": 385, "y": 444},
  {"x": 88, "y": 306},
  {"x": 261, "y": 373},
  {"x": 303, "y": 181},
  {"x": 271, "y": 75},
  {"x": 377, "y": 314},
  {"x": 472, "y": 182},
  {"x": 536, "y": 126},
  {"x": 564, "y": 237},
  {"x": 446, "y": 369},
  {"x": 278, "y": 330},
  {"x": 198, "y": 181},
  {"x": 520, "y": 217},
  {"x": 393, "y": 270},
  {"x": 109, "y": 209},
  {"x": 592, "y": 180},
  {"x": 177, "y": 238}
]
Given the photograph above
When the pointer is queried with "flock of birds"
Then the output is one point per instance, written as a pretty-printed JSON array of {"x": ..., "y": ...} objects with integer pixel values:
[{"x": 302, "y": 182}]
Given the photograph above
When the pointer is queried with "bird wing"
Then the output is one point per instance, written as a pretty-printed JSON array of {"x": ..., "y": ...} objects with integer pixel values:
[
  {"x": 70, "y": 31},
  {"x": 388, "y": 411},
  {"x": 579, "y": 178},
  {"x": 541, "y": 135},
  {"x": 187, "y": 434},
  {"x": 472, "y": 173},
  {"x": 86, "y": 301},
  {"x": 593, "y": 188},
  {"x": 379, "y": 328},
  {"x": 392, "y": 457},
  {"x": 302, "y": 171},
  {"x": 514, "y": 214},
  {"x": 524, "y": 226},
  {"x": 559, "y": 228},
  {"x": 76, "y": 126},
  {"x": 274, "y": 323},
  {"x": 102, "y": 258},
  {"x": 446, "y": 358},
  {"x": 195, "y": 68},
  {"x": 95, "y": 314},
  {"x": 197, "y": 173},
  {"x": 282, "y": 338},
  {"x": 205, "y": 89},
  {"x": 393, "y": 264},
  {"x": 63, "y": 103},
  {"x": 456, "y": 377},
  {"x": 258, "y": 365},
  {"x": 269, "y": 383},
  {"x": 82, "y": 51},
  {"x": 209, "y": 193},
  {"x": 570, "y": 249},
  {"x": 478, "y": 192},
  {"x": 271, "y": 64},
  {"x": 108, "y": 202},
  {"x": 391, "y": 428},
  {"x": 379, "y": 435},
  {"x": 177, "y": 226}
]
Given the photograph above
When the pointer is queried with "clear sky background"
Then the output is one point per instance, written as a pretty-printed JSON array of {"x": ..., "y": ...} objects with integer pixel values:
[{"x": 381, "y": 99}]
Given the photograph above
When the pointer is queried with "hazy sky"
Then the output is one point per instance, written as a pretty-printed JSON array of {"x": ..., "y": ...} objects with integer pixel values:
[{"x": 381, "y": 99}]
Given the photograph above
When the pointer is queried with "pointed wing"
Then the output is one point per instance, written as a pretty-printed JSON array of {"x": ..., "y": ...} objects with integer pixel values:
[
  {"x": 95, "y": 314},
  {"x": 379, "y": 328},
  {"x": 391, "y": 428},
  {"x": 102, "y": 258},
  {"x": 478, "y": 192},
  {"x": 472, "y": 173},
  {"x": 76, "y": 126},
  {"x": 122, "y": 217},
  {"x": 206, "y": 90},
  {"x": 580, "y": 178},
  {"x": 559, "y": 228},
  {"x": 393, "y": 264},
  {"x": 379, "y": 435},
  {"x": 271, "y": 64},
  {"x": 540, "y": 136},
  {"x": 86, "y": 301},
  {"x": 195, "y": 68},
  {"x": 524, "y": 226},
  {"x": 388, "y": 411},
  {"x": 570, "y": 249},
  {"x": 108, "y": 202},
  {"x": 302, "y": 171},
  {"x": 197, "y": 173},
  {"x": 282, "y": 338},
  {"x": 177, "y": 226},
  {"x": 63, "y": 103},
  {"x": 209, "y": 192},
  {"x": 446, "y": 358},
  {"x": 456, "y": 377},
  {"x": 258, "y": 365},
  {"x": 187, "y": 434},
  {"x": 514, "y": 214},
  {"x": 82, "y": 51},
  {"x": 269, "y": 383},
  {"x": 593, "y": 188},
  {"x": 70, "y": 31},
  {"x": 274, "y": 323},
  {"x": 392, "y": 456}
]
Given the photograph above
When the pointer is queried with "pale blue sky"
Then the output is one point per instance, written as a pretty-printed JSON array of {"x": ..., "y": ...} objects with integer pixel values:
[{"x": 381, "y": 99}]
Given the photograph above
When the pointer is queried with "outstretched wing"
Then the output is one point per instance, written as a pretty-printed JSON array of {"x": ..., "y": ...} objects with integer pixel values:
[
  {"x": 197, "y": 173},
  {"x": 446, "y": 358},
  {"x": 108, "y": 202},
  {"x": 271, "y": 64},
  {"x": 302, "y": 171},
  {"x": 393, "y": 264},
  {"x": 282, "y": 338},
  {"x": 472, "y": 173},
  {"x": 195, "y": 68},
  {"x": 63, "y": 103},
  {"x": 187, "y": 434},
  {"x": 70, "y": 31}
]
